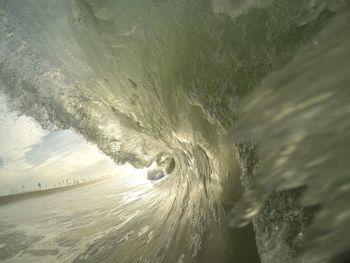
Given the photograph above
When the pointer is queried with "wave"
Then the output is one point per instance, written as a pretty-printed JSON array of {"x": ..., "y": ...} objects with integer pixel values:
[{"x": 214, "y": 96}]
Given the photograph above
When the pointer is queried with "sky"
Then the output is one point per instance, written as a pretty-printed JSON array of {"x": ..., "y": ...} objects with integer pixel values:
[{"x": 30, "y": 154}]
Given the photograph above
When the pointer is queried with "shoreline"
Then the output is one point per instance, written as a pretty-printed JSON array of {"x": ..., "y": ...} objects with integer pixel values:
[{"x": 8, "y": 199}]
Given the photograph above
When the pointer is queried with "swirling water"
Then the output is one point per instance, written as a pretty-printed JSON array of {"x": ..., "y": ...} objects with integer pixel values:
[{"x": 217, "y": 93}]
